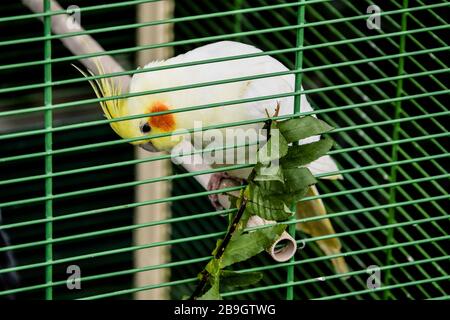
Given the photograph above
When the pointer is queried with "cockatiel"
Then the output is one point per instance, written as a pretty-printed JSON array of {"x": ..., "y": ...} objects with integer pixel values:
[{"x": 216, "y": 94}]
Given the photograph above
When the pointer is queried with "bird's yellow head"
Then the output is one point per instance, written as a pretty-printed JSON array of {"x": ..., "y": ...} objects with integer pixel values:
[
  {"x": 158, "y": 127},
  {"x": 152, "y": 133}
]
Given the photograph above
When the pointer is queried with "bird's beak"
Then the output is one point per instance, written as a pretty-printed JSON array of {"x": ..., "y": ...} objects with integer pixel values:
[{"x": 149, "y": 147}]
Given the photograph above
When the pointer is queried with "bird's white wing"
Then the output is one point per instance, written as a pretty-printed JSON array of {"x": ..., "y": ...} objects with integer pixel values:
[
  {"x": 217, "y": 71},
  {"x": 280, "y": 85},
  {"x": 324, "y": 165}
]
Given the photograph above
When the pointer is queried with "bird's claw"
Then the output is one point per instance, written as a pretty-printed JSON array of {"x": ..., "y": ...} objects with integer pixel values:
[{"x": 215, "y": 184}]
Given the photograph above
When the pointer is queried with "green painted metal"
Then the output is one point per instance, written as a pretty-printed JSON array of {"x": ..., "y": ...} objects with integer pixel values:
[
  {"x": 48, "y": 122},
  {"x": 395, "y": 135},
  {"x": 297, "y": 109},
  {"x": 384, "y": 91}
]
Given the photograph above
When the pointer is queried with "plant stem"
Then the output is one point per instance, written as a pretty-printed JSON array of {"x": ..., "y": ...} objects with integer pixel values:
[
  {"x": 232, "y": 229},
  {"x": 221, "y": 249},
  {"x": 223, "y": 245}
]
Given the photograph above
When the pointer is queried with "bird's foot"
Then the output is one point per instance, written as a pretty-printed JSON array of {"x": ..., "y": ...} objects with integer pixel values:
[{"x": 215, "y": 183}]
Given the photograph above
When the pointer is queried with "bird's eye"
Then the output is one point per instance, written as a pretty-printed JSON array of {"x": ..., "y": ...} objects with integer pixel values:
[{"x": 145, "y": 128}]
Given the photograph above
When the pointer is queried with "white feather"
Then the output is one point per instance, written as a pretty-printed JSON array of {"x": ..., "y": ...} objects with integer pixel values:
[{"x": 221, "y": 93}]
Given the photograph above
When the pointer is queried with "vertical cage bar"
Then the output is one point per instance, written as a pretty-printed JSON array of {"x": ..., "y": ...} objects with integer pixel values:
[
  {"x": 48, "y": 119},
  {"x": 297, "y": 100},
  {"x": 238, "y": 4},
  {"x": 162, "y": 33},
  {"x": 394, "y": 153}
]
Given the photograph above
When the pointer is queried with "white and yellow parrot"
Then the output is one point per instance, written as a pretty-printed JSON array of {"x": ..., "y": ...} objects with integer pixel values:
[{"x": 216, "y": 94}]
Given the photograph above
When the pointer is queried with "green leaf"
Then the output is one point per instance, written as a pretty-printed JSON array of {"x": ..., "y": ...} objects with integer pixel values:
[
  {"x": 275, "y": 148},
  {"x": 297, "y": 182},
  {"x": 268, "y": 173},
  {"x": 218, "y": 243},
  {"x": 277, "y": 181},
  {"x": 268, "y": 206},
  {"x": 245, "y": 246},
  {"x": 213, "y": 267},
  {"x": 301, "y": 128},
  {"x": 306, "y": 153},
  {"x": 213, "y": 293},
  {"x": 239, "y": 279},
  {"x": 298, "y": 178},
  {"x": 271, "y": 187},
  {"x": 243, "y": 222},
  {"x": 271, "y": 194}
]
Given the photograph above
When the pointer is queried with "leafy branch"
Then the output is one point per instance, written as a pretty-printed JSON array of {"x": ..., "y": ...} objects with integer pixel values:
[
  {"x": 278, "y": 180},
  {"x": 221, "y": 248}
]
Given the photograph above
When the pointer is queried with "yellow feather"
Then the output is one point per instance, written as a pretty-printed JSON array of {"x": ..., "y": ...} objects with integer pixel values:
[{"x": 112, "y": 108}]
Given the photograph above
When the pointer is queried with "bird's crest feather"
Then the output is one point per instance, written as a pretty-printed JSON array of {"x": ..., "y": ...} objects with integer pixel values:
[{"x": 106, "y": 88}]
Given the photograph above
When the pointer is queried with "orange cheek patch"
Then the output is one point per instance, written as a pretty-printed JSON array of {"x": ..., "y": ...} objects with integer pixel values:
[{"x": 165, "y": 122}]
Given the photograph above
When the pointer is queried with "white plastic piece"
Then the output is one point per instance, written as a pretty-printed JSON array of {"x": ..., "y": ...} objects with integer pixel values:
[{"x": 289, "y": 245}]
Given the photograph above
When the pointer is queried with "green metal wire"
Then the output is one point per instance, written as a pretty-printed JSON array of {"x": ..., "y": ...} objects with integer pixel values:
[
  {"x": 84, "y": 9},
  {"x": 419, "y": 146},
  {"x": 150, "y": 159},
  {"x": 180, "y": 65},
  {"x": 387, "y": 106},
  {"x": 346, "y": 171},
  {"x": 225, "y": 37},
  {"x": 432, "y": 140},
  {"x": 137, "y": 161},
  {"x": 235, "y": 13},
  {"x": 26, "y": 245},
  {"x": 281, "y": 265},
  {"x": 424, "y": 133},
  {"x": 298, "y": 283},
  {"x": 394, "y": 154},
  {"x": 297, "y": 109},
  {"x": 27, "y": 156},
  {"x": 257, "y": 269},
  {"x": 48, "y": 158},
  {"x": 199, "y": 85},
  {"x": 85, "y": 191},
  {"x": 317, "y": 269}
]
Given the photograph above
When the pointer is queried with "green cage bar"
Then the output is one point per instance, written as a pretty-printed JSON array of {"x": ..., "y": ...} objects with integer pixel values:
[
  {"x": 297, "y": 109},
  {"x": 49, "y": 158},
  {"x": 68, "y": 183},
  {"x": 395, "y": 135}
]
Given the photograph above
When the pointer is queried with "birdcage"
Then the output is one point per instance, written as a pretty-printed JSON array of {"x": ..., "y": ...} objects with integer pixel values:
[{"x": 78, "y": 201}]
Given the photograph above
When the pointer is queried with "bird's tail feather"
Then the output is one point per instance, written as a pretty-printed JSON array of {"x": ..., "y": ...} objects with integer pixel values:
[{"x": 330, "y": 246}]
